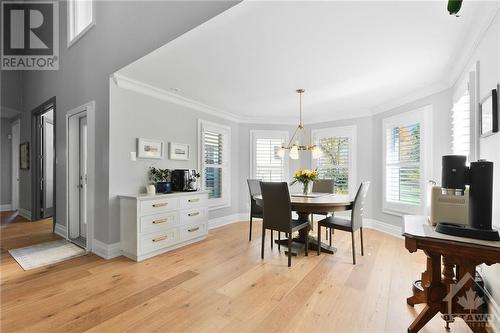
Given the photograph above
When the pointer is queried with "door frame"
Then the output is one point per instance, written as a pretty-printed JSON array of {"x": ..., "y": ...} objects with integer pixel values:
[
  {"x": 89, "y": 109},
  {"x": 35, "y": 169},
  {"x": 15, "y": 164}
]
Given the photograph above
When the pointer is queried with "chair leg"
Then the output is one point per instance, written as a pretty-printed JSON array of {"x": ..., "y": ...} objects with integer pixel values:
[
  {"x": 353, "y": 249},
  {"x": 279, "y": 241},
  {"x": 326, "y": 233},
  {"x": 289, "y": 251},
  {"x": 307, "y": 242},
  {"x": 361, "y": 236},
  {"x": 319, "y": 239},
  {"x": 250, "y": 235},
  {"x": 263, "y": 239},
  {"x": 272, "y": 238},
  {"x": 331, "y": 236}
]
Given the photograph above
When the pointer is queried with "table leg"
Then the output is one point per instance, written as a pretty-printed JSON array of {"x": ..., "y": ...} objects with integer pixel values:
[{"x": 433, "y": 293}]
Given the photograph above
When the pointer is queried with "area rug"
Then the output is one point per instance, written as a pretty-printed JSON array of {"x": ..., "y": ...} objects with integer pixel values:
[{"x": 43, "y": 254}]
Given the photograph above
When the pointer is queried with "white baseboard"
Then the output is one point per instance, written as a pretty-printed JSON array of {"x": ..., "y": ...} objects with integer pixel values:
[
  {"x": 5, "y": 208},
  {"x": 60, "y": 230},
  {"x": 387, "y": 228},
  {"x": 24, "y": 213},
  {"x": 106, "y": 251},
  {"x": 228, "y": 219}
]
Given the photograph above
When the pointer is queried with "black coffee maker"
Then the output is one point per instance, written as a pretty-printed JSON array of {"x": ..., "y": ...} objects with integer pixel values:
[
  {"x": 184, "y": 180},
  {"x": 479, "y": 176}
]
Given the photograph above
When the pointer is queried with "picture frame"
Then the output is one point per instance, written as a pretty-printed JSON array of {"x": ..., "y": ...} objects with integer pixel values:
[
  {"x": 24, "y": 156},
  {"x": 488, "y": 114},
  {"x": 150, "y": 148},
  {"x": 179, "y": 151}
]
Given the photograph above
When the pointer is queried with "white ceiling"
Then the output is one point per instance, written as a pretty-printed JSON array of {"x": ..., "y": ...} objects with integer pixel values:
[{"x": 353, "y": 58}]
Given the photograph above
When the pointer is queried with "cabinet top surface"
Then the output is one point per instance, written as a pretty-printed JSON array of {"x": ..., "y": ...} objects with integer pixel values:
[
  {"x": 145, "y": 196},
  {"x": 418, "y": 227}
]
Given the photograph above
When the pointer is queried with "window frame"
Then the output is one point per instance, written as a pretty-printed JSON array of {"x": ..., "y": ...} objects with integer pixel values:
[
  {"x": 423, "y": 116},
  {"x": 204, "y": 125},
  {"x": 70, "y": 19},
  {"x": 267, "y": 134},
  {"x": 346, "y": 131}
]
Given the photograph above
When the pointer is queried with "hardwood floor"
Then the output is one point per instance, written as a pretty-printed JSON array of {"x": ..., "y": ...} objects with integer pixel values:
[{"x": 218, "y": 285}]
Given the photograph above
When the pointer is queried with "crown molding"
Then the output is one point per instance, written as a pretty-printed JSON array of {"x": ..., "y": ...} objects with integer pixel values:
[
  {"x": 412, "y": 97},
  {"x": 147, "y": 89},
  {"x": 458, "y": 67}
]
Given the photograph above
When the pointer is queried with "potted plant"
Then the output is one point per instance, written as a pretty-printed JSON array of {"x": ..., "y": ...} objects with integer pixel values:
[
  {"x": 305, "y": 177},
  {"x": 161, "y": 179}
]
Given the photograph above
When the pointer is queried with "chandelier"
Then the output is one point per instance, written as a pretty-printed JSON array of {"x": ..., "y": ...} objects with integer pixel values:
[{"x": 293, "y": 146}]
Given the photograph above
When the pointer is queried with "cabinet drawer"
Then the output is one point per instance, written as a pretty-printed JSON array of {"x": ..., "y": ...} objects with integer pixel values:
[
  {"x": 194, "y": 215},
  {"x": 193, "y": 230},
  {"x": 158, "y": 222},
  {"x": 159, "y": 205},
  {"x": 158, "y": 240},
  {"x": 195, "y": 200}
]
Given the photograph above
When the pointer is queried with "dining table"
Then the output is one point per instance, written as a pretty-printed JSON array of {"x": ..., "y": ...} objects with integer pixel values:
[{"x": 315, "y": 203}]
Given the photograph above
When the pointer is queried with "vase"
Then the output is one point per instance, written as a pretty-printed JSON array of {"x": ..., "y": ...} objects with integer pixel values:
[
  {"x": 163, "y": 187},
  {"x": 307, "y": 188}
]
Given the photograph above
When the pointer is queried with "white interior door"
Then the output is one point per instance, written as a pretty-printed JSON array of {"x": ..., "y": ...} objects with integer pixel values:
[
  {"x": 48, "y": 164},
  {"x": 83, "y": 176},
  {"x": 16, "y": 137},
  {"x": 77, "y": 177}
]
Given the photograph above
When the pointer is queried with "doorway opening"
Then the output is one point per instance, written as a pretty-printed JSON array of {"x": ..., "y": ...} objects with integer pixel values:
[
  {"x": 78, "y": 163},
  {"x": 43, "y": 154}
]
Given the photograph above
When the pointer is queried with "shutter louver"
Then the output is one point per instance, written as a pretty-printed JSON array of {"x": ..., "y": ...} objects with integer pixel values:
[
  {"x": 403, "y": 164},
  {"x": 461, "y": 126}
]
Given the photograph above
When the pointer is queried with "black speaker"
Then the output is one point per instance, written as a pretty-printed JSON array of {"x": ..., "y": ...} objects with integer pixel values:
[{"x": 481, "y": 194}]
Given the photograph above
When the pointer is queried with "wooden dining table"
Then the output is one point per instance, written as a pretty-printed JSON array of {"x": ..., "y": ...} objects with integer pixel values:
[{"x": 315, "y": 203}]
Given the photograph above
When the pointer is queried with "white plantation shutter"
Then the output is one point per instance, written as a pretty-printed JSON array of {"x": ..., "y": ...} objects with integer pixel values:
[
  {"x": 403, "y": 164},
  {"x": 406, "y": 150},
  {"x": 334, "y": 164},
  {"x": 215, "y": 152},
  {"x": 461, "y": 141},
  {"x": 213, "y": 148},
  {"x": 266, "y": 165},
  {"x": 338, "y": 159}
]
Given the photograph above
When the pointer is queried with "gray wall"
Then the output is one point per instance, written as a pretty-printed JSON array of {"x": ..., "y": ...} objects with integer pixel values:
[
  {"x": 134, "y": 115},
  {"x": 124, "y": 32},
  {"x": 6, "y": 162}
]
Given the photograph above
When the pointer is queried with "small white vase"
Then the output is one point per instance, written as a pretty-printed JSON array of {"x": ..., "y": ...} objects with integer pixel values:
[{"x": 151, "y": 189}]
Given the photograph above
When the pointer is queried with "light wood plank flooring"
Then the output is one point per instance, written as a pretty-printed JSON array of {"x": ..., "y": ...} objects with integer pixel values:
[{"x": 218, "y": 285}]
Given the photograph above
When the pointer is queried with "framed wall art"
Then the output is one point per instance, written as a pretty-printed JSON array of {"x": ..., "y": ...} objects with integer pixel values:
[
  {"x": 488, "y": 114},
  {"x": 179, "y": 151},
  {"x": 149, "y": 148},
  {"x": 24, "y": 156}
]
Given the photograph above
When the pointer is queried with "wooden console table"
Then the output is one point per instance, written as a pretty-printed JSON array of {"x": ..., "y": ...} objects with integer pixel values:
[{"x": 444, "y": 288}]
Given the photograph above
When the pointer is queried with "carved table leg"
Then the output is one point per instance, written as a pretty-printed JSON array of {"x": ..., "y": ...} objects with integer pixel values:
[{"x": 434, "y": 292}]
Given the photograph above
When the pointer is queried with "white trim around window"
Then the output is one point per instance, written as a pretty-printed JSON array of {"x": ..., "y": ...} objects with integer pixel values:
[
  {"x": 423, "y": 117},
  {"x": 70, "y": 21},
  {"x": 204, "y": 126},
  {"x": 344, "y": 131},
  {"x": 282, "y": 136}
]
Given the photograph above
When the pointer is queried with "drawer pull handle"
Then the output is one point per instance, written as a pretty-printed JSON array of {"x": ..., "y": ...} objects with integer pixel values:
[
  {"x": 160, "y": 221},
  {"x": 194, "y": 200},
  {"x": 194, "y": 229},
  {"x": 163, "y": 204},
  {"x": 159, "y": 239},
  {"x": 194, "y": 214}
]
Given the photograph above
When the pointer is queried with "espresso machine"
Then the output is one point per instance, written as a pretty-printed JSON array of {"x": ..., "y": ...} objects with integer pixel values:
[
  {"x": 185, "y": 180},
  {"x": 479, "y": 176}
]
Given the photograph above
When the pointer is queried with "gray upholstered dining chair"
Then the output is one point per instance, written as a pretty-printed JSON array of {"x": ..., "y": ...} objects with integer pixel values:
[
  {"x": 349, "y": 225},
  {"x": 278, "y": 214},
  {"x": 255, "y": 210}
]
